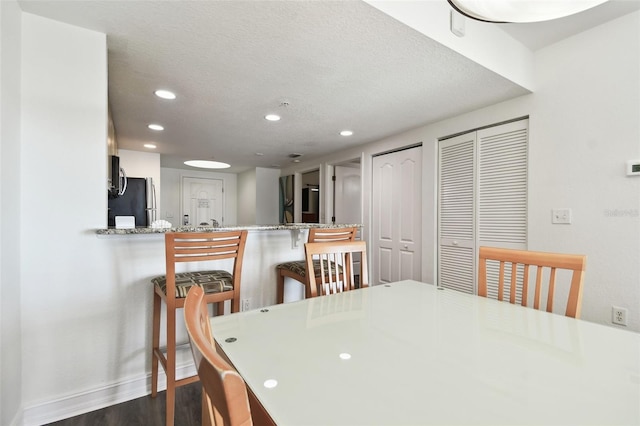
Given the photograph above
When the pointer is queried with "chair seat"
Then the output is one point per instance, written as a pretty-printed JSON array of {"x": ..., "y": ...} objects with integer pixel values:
[
  {"x": 211, "y": 282},
  {"x": 300, "y": 267}
]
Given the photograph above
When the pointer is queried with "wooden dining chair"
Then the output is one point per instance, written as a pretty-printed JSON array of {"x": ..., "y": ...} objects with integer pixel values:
[
  {"x": 542, "y": 261},
  {"x": 298, "y": 269},
  {"x": 332, "y": 266},
  {"x": 218, "y": 286},
  {"x": 224, "y": 393}
]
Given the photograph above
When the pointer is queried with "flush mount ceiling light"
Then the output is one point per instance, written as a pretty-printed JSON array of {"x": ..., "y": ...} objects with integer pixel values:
[
  {"x": 346, "y": 133},
  {"x": 149, "y": 145},
  {"x": 272, "y": 117},
  {"x": 155, "y": 127},
  {"x": 520, "y": 11},
  {"x": 207, "y": 164},
  {"x": 165, "y": 94}
]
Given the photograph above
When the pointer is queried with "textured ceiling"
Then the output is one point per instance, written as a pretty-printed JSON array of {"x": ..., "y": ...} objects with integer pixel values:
[{"x": 335, "y": 64}]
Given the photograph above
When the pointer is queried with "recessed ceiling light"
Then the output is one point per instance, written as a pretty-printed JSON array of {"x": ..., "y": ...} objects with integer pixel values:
[
  {"x": 346, "y": 133},
  {"x": 165, "y": 94},
  {"x": 272, "y": 117},
  {"x": 259, "y": 154},
  {"x": 156, "y": 127},
  {"x": 207, "y": 164},
  {"x": 149, "y": 145}
]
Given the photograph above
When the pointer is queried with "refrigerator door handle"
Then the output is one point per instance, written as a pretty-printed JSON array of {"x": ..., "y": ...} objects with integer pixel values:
[{"x": 124, "y": 181}]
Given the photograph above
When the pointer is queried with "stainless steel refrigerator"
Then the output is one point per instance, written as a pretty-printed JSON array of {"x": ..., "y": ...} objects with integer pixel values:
[{"x": 138, "y": 200}]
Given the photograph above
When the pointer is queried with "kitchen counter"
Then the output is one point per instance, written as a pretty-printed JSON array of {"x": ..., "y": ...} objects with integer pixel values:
[{"x": 288, "y": 226}]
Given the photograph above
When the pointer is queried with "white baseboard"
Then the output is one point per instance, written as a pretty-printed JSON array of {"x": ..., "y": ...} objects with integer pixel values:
[{"x": 95, "y": 399}]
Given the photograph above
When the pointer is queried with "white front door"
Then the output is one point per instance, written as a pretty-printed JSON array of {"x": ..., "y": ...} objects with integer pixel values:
[
  {"x": 396, "y": 234},
  {"x": 202, "y": 201}
]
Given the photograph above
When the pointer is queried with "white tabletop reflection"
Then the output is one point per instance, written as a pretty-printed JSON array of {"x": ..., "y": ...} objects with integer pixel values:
[{"x": 408, "y": 353}]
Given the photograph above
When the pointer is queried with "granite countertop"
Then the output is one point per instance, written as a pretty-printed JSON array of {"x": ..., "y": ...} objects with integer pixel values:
[{"x": 288, "y": 226}]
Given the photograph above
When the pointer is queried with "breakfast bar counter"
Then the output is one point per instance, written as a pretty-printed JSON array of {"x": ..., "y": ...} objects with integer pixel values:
[
  {"x": 285, "y": 226},
  {"x": 138, "y": 255}
]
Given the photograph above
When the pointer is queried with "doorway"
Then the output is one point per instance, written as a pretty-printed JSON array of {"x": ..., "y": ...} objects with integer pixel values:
[
  {"x": 310, "y": 200},
  {"x": 202, "y": 202}
]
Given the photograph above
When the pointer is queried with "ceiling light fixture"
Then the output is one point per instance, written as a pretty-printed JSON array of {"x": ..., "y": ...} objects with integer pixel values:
[
  {"x": 155, "y": 127},
  {"x": 520, "y": 11},
  {"x": 207, "y": 164},
  {"x": 165, "y": 94},
  {"x": 149, "y": 145},
  {"x": 272, "y": 117},
  {"x": 346, "y": 133}
]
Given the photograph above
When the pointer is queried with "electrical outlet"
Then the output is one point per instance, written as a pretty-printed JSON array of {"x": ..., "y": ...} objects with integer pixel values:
[
  {"x": 246, "y": 305},
  {"x": 561, "y": 216},
  {"x": 619, "y": 315}
]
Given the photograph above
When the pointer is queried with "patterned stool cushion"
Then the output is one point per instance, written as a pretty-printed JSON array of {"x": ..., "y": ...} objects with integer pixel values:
[
  {"x": 210, "y": 281},
  {"x": 300, "y": 267}
]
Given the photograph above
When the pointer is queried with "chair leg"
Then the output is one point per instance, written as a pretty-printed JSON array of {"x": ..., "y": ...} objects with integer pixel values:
[
  {"x": 155, "y": 343},
  {"x": 235, "y": 304},
  {"x": 207, "y": 410},
  {"x": 280, "y": 288},
  {"x": 171, "y": 366},
  {"x": 220, "y": 308}
]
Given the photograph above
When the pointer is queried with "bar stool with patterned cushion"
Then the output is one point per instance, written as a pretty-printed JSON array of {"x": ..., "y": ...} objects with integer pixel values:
[
  {"x": 219, "y": 285},
  {"x": 298, "y": 269}
]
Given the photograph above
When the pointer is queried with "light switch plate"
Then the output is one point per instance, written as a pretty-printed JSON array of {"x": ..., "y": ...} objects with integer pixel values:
[
  {"x": 561, "y": 216},
  {"x": 457, "y": 23}
]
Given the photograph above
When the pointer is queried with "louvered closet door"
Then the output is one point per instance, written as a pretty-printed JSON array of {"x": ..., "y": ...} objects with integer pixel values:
[
  {"x": 502, "y": 194},
  {"x": 456, "y": 250}
]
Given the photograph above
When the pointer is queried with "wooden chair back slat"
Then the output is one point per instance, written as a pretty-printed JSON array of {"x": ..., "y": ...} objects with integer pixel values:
[
  {"x": 336, "y": 266},
  {"x": 541, "y": 260},
  {"x": 319, "y": 235}
]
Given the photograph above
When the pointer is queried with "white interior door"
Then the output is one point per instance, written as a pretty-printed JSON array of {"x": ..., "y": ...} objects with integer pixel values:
[
  {"x": 202, "y": 201},
  {"x": 456, "y": 200},
  {"x": 396, "y": 234},
  {"x": 347, "y": 198},
  {"x": 482, "y": 200}
]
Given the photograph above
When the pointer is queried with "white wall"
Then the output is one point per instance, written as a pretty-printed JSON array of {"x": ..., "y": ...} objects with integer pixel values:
[
  {"x": 247, "y": 197},
  {"x": 584, "y": 126},
  {"x": 171, "y": 190},
  {"x": 67, "y": 295},
  {"x": 10, "y": 299},
  {"x": 258, "y": 196},
  {"x": 267, "y": 196}
]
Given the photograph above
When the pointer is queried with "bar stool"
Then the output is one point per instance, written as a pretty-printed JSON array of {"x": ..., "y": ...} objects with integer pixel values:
[
  {"x": 172, "y": 288},
  {"x": 298, "y": 269}
]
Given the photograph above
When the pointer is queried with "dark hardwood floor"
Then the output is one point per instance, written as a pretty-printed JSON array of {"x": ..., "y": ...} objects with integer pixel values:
[{"x": 145, "y": 411}]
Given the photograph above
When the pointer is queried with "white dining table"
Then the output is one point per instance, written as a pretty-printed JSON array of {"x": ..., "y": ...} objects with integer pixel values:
[{"x": 410, "y": 353}]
